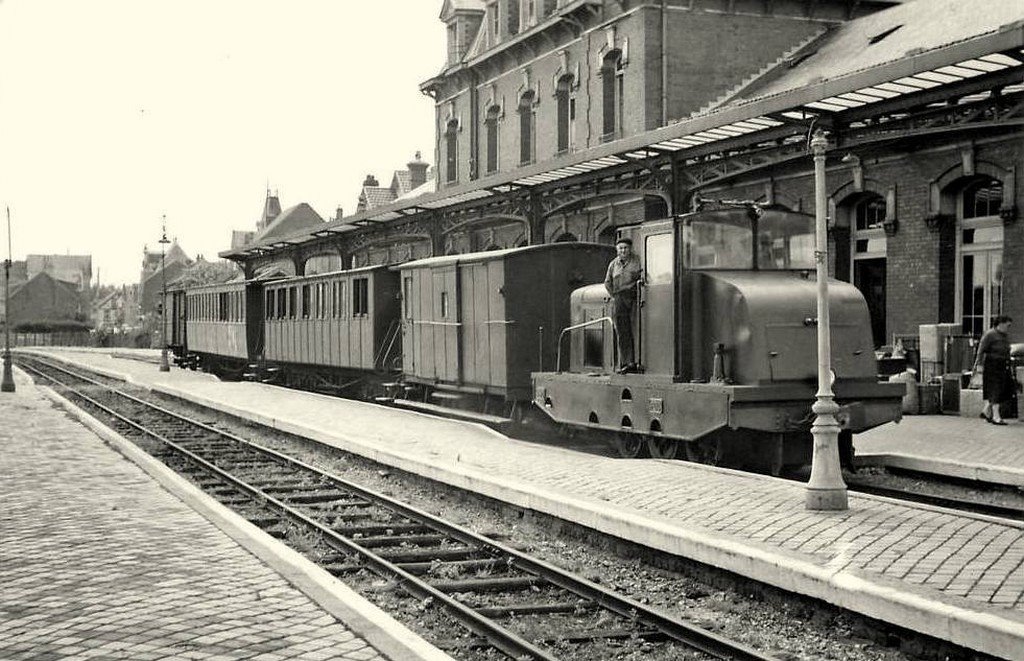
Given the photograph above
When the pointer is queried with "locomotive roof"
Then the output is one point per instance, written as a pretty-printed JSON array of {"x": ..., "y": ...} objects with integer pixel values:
[{"x": 492, "y": 255}]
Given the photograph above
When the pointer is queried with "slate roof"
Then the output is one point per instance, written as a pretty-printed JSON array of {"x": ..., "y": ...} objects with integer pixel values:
[
  {"x": 898, "y": 32},
  {"x": 290, "y": 220}
]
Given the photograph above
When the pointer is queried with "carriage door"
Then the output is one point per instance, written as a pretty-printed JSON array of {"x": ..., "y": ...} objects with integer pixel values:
[
  {"x": 657, "y": 311},
  {"x": 446, "y": 324},
  {"x": 409, "y": 336}
]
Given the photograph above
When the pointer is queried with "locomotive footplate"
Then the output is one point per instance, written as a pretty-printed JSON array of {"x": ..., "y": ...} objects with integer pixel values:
[{"x": 690, "y": 411}]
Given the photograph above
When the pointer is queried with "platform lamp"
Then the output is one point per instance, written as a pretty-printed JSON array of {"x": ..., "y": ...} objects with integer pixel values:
[
  {"x": 164, "y": 366},
  {"x": 825, "y": 489},
  {"x": 7, "y": 385}
]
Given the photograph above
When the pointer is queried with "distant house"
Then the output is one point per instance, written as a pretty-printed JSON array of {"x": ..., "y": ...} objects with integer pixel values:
[
  {"x": 44, "y": 298},
  {"x": 153, "y": 278},
  {"x": 76, "y": 269},
  {"x": 403, "y": 182},
  {"x": 115, "y": 311}
]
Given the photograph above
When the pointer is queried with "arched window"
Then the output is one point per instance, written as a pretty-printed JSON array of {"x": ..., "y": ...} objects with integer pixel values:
[
  {"x": 608, "y": 235},
  {"x": 566, "y": 237},
  {"x": 868, "y": 247},
  {"x": 527, "y": 122},
  {"x": 565, "y": 113},
  {"x": 611, "y": 95},
  {"x": 513, "y": 16},
  {"x": 451, "y": 141},
  {"x": 491, "y": 137},
  {"x": 980, "y": 254}
]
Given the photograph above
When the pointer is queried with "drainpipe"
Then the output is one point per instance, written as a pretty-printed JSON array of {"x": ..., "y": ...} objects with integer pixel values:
[{"x": 664, "y": 64}]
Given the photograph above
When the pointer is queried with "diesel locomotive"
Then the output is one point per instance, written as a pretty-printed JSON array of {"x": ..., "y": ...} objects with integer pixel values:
[{"x": 725, "y": 333}]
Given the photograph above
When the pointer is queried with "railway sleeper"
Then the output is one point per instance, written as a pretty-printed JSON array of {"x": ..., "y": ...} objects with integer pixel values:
[
  {"x": 584, "y": 635},
  {"x": 422, "y": 568},
  {"x": 380, "y": 541},
  {"x": 497, "y": 612},
  {"x": 368, "y": 531},
  {"x": 323, "y": 498},
  {"x": 400, "y": 555},
  {"x": 495, "y": 584}
]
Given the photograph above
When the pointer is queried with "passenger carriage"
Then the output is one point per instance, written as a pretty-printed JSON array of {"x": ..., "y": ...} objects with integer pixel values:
[
  {"x": 475, "y": 325},
  {"x": 330, "y": 332},
  {"x": 220, "y": 329}
]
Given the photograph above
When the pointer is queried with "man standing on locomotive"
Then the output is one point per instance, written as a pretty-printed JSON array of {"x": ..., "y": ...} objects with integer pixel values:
[{"x": 620, "y": 281}]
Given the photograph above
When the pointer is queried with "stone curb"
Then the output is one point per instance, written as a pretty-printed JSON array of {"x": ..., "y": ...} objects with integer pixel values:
[
  {"x": 363, "y": 618},
  {"x": 981, "y": 472}
]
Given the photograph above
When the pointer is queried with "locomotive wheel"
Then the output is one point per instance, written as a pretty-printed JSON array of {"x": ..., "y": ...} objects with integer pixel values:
[
  {"x": 660, "y": 447},
  {"x": 630, "y": 445},
  {"x": 702, "y": 452}
]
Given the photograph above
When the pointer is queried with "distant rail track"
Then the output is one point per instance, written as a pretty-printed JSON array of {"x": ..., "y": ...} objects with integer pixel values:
[{"x": 476, "y": 597}]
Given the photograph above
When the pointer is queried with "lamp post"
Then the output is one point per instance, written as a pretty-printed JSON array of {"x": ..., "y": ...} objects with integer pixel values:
[
  {"x": 7, "y": 385},
  {"x": 825, "y": 489},
  {"x": 164, "y": 366}
]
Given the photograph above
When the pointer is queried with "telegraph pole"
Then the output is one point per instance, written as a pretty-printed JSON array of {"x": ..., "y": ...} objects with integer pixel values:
[
  {"x": 7, "y": 385},
  {"x": 826, "y": 489},
  {"x": 164, "y": 366}
]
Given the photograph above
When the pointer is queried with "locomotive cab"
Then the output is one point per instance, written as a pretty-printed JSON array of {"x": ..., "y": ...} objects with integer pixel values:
[{"x": 726, "y": 337}]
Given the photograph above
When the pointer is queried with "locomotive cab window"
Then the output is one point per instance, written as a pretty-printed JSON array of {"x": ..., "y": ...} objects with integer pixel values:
[
  {"x": 360, "y": 297},
  {"x": 739, "y": 241},
  {"x": 658, "y": 259}
]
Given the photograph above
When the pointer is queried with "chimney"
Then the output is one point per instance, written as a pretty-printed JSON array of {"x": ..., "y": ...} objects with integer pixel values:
[
  {"x": 417, "y": 171},
  {"x": 370, "y": 181},
  {"x": 339, "y": 214}
]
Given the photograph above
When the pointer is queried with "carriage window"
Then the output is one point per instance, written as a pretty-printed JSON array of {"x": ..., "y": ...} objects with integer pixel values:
[
  {"x": 222, "y": 306},
  {"x": 407, "y": 296},
  {"x": 268, "y": 306},
  {"x": 306, "y": 307},
  {"x": 340, "y": 301},
  {"x": 658, "y": 259},
  {"x": 360, "y": 296},
  {"x": 319, "y": 302},
  {"x": 444, "y": 304}
]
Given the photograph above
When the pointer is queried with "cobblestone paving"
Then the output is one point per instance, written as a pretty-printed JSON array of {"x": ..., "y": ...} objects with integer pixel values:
[{"x": 97, "y": 561}]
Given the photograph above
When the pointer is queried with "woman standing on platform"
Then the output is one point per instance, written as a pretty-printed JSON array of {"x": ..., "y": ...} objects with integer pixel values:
[{"x": 994, "y": 360}]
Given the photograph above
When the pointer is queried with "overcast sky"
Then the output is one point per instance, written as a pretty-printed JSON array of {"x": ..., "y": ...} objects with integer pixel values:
[{"x": 114, "y": 112}]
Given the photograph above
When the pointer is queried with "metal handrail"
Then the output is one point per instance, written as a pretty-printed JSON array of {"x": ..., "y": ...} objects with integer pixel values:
[{"x": 558, "y": 355}]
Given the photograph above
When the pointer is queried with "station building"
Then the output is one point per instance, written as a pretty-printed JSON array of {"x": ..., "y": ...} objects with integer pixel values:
[{"x": 562, "y": 120}]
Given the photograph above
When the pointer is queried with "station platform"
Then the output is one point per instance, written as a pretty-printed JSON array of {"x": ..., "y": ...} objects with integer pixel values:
[
  {"x": 955, "y": 576},
  {"x": 105, "y": 558},
  {"x": 950, "y": 445}
]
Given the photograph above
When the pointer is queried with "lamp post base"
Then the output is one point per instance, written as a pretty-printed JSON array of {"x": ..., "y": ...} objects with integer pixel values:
[
  {"x": 7, "y": 385},
  {"x": 164, "y": 366},
  {"x": 826, "y": 490}
]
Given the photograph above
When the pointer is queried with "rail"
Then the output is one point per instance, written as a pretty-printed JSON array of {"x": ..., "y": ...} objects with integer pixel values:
[{"x": 558, "y": 354}]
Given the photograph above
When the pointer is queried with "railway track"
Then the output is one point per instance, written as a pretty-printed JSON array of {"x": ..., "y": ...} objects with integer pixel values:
[
  {"x": 504, "y": 601},
  {"x": 939, "y": 500}
]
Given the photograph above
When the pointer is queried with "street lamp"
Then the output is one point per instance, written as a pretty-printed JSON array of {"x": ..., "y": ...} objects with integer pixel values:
[
  {"x": 7, "y": 385},
  {"x": 825, "y": 489},
  {"x": 164, "y": 366}
]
